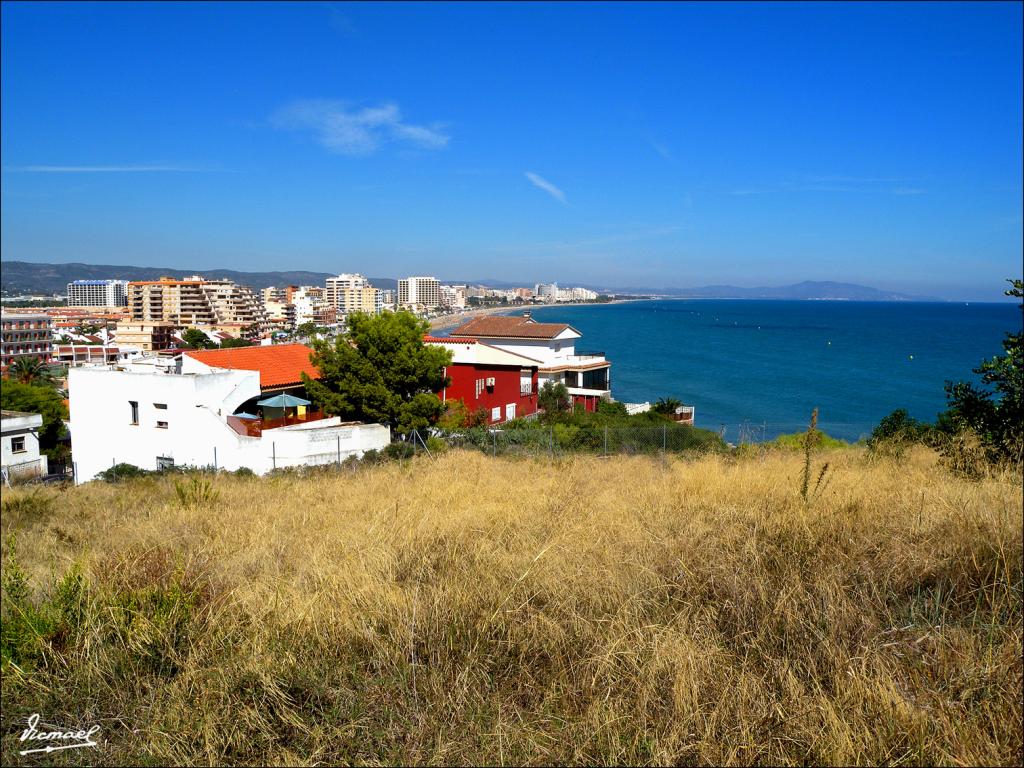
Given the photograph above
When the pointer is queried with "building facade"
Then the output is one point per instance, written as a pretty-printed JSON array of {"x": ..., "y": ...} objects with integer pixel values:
[
  {"x": 196, "y": 301},
  {"x": 587, "y": 375},
  {"x": 98, "y": 293},
  {"x": 19, "y": 445},
  {"x": 147, "y": 336},
  {"x": 201, "y": 409},
  {"x": 416, "y": 292},
  {"x": 485, "y": 378},
  {"x": 24, "y": 335}
]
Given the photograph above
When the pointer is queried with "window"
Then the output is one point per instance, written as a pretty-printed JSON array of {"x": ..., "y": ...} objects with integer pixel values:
[
  {"x": 17, "y": 445},
  {"x": 525, "y": 381},
  {"x": 496, "y": 413},
  {"x": 161, "y": 425},
  {"x": 510, "y": 411},
  {"x": 135, "y": 411},
  {"x": 161, "y": 406}
]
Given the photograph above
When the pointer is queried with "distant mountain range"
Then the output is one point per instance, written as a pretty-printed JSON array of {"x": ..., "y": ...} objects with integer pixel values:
[
  {"x": 807, "y": 290},
  {"x": 22, "y": 277}
]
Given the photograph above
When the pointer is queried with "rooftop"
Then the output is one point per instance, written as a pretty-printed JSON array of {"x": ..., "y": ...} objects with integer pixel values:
[
  {"x": 278, "y": 365},
  {"x": 496, "y": 326}
]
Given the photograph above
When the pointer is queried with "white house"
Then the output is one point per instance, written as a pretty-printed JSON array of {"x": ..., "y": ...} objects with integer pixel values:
[
  {"x": 587, "y": 375},
  {"x": 19, "y": 445},
  {"x": 158, "y": 410}
]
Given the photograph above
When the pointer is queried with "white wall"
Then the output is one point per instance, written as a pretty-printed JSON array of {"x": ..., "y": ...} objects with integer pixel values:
[
  {"x": 27, "y": 462},
  {"x": 197, "y": 433}
]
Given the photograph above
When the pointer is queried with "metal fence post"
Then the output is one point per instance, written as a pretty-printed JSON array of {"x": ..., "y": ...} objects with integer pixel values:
[{"x": 273, "y": 454}]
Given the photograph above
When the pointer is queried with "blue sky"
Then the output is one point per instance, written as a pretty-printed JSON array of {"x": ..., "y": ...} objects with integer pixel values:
[{"x": 617, "y": 145}]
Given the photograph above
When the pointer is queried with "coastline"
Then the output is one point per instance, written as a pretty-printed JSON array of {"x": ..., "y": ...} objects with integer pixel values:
[{"x": 452, "y": 320}]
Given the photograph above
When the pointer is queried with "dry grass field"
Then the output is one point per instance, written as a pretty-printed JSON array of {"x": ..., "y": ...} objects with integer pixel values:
[{"x": 466, "y": 609}]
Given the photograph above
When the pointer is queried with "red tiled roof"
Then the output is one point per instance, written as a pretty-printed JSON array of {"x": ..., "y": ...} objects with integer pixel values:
[
  {"x": 446, "y": 340},
  {"x": 279, "y": 365},
  {"x": 510, "y": 327}
]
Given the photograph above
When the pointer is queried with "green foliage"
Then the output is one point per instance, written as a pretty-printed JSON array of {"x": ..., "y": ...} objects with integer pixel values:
[
  {"x": 123, "y": 471},
  {"x": 398, "y": 450},
  {"x": 554, "y": 398},
  {"x": 29, "y": 628},
  {"x": 232, "y": 343},
  {"x": 812, "y": 440},
  {"x": 197, "y": 492},
  {"x": 797, "y": 441},
  {"x": 666, "y": 406},
  {"x": 457, "y": 416},
  {"x": 436, "y": 445},
  {"x": 995, "y": 411},
  {"x": 244, "y": 472},
  {"x": 380, "y": 371},
  {"x": 30, "y": 370},
  {"x": 307, "y": 330},
  {"x": 15, "y": 396},
  {"x": 196, "y": 339},
  {"x": 612, "y": 408}
]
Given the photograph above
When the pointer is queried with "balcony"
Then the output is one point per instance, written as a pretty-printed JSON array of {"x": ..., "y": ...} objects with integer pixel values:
[{"x": 256, "y": 427}]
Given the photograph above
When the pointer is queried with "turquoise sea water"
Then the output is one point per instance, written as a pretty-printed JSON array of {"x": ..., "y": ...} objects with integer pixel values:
[{"x": 760, "y": 367}]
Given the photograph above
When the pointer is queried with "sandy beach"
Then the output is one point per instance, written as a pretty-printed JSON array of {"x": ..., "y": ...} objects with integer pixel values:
[{"x": 451, "y": 321}]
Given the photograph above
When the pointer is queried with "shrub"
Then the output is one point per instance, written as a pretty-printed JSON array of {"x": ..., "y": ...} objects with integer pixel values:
[
  {"x": 123, "y": 471},
  {"x": 197, "y": 492},
  {"x": 436, "y": 445},
  {"x": 399, "y": 450},
  {"x": 244, "y": 472}
]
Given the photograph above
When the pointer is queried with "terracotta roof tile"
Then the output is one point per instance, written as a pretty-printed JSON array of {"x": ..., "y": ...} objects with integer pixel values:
[
  {"x": 496, "y": 326},
  {"x": 278, "y": 365}
]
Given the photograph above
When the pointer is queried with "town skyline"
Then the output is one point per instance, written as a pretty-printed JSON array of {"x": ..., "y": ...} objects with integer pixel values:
[{"x": 629, "y": 150}]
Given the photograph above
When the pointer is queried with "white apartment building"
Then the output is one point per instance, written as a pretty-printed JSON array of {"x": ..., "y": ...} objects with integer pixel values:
[
  {"x": 195, "y": 301},
  {"x": 19, "y": 445},
  {"x": 98, "y": 293},
  {"x": 453, "y": 296},
  {"x": 24, "y": 334},
  {"x": 422, "y": 292},
  {"x": 576, "y": 294},
  {"x": 546, "y": 291},
  {"x": 159, "y": 411},
  {"x": 312, "y": 307}
]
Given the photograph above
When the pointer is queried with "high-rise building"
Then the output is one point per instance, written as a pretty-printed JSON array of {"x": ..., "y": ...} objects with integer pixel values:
[
  {"x": 195, "y": 301},
  {"x": 98, "y": 293},
  {"x": 419, "y": 292},
  {"x": 273, "y": 294},
  {"x": 546, "y": 291},
  {"x": 336, "y": 287},
  {"x": 311, "y": 307},
  {"x": 24, "y": 335}
]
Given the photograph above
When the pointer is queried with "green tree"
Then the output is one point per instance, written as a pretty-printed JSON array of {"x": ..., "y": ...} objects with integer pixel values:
[
  {"x": 29, "y": 398},
  {"x": 666, "y": 406},
  {"x": 554, "y": 398},
  {"x": 231, "y": 343},
  {"x": 995, "y": 411},
  {"x": 380, "y": 371},
  {"x": 30, "y": 370},
  {"x": 306, "y": 330},
  {"x": 196, "y": 339}
]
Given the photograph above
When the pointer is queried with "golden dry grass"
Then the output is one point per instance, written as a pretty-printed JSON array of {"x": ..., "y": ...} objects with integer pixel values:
[{"x": 477, "y": 610}]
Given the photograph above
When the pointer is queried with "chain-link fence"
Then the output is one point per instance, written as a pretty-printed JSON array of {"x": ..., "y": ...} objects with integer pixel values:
[{"x": 572, "y": 438}]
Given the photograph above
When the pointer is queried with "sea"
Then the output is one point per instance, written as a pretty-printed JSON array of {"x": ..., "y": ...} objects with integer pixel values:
[{"x": 755, "y": 369}]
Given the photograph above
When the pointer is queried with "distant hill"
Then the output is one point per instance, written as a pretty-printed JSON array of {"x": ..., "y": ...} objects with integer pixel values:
[
  {"x": 807, "y": 290},
  {"x": 23, "y": 277}
]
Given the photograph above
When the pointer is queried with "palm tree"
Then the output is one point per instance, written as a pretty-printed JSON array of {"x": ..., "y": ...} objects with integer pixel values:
[
  {"x": 666, "y": 405},
  {"x": 30, "y": 370}
]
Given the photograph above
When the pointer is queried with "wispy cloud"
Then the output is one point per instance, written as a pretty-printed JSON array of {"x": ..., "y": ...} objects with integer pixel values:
[
  {"x": 347, "y": 130},
  {"x": 662, "y": 150},
  {"x": 100, "y": 169},
  {"x": 541, "y": 183}
]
